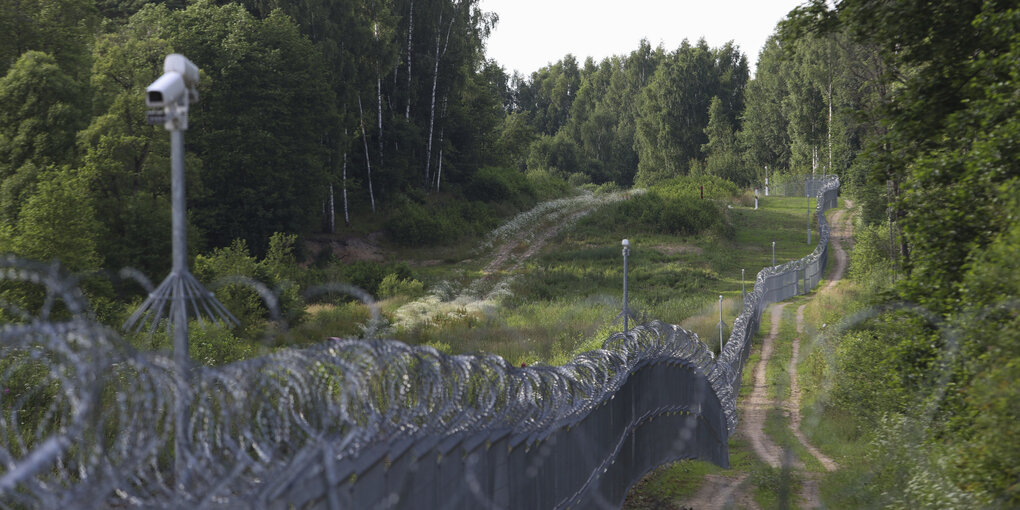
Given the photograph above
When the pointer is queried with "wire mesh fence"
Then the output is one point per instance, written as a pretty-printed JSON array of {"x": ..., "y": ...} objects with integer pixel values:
[
  {"x": 800, "y": 185},
  {"x": 87, "y": 421},
  {"x": 773, "y": 284}
]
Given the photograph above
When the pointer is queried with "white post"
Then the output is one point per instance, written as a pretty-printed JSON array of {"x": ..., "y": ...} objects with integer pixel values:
[
  {"x": 626, "y": 310},
  {"x": 178, "y": 306},
  {"x": 720, "y": 325},
  {"x": 773, "y": 254},
  {"x": 808, "y": 216}
]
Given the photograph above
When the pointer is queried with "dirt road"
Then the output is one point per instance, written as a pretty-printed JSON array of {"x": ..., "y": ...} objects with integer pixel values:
[{"x": 722, "y": 492}]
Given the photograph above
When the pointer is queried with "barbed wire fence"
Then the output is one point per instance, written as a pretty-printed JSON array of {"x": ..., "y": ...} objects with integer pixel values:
[{"x": 87, "y": 421}]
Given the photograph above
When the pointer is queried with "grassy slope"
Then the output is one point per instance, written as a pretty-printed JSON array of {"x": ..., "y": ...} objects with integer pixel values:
[{"x": 564, "y": 299}]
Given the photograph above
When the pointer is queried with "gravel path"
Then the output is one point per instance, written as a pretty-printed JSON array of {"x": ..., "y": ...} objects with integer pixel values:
[{"x": 757, "y": 405}]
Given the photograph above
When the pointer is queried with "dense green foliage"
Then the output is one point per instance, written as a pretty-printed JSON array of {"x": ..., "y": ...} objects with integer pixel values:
[
  {"x": 370, "y": 108},
  {"x": 934, "y": 361},
  {"x": 672, "y": 207}
]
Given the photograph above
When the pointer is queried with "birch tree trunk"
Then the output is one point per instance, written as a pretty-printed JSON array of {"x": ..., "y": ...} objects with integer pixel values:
[
  {"x": 410, "y": 31},
  {"x": 332, "y": 211},
  {"x": 442, "y": 130},
  {"x": 432, "y": 107},
  {"x": 368, "y": 159},
  {"x": 439, "y": 170},
  {"x": 347, "y": 218},
  {"x": 378, "y": 88},
  {"x": 435, "y": 82},
  {"x": 830, "y": 123}
]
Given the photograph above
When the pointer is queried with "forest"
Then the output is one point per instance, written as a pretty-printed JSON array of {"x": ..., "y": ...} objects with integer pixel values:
[{"x": 326, "y": 120}]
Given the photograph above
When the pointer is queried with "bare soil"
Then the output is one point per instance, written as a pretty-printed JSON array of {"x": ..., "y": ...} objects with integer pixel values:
[
  {"x": 720, "y": 492},
  {"x": 756, "y": 406}
]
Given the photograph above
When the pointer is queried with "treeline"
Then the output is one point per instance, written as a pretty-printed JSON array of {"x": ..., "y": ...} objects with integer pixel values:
[
  {"x": 320, "y": 113},
  {"x": 925, "y": 124},
  {"x": 636, "y": 118},
  {"x": 303, "y": 106}
]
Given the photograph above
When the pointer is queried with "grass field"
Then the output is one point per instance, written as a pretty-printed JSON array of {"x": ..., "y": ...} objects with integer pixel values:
[{"x": 565, "y": 298}]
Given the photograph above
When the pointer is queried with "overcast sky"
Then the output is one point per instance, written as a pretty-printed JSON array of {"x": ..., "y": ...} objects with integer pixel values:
[{"x": 533, "y": 33}]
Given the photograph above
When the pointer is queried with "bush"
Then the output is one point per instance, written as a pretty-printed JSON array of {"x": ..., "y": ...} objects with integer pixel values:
[
  {"x": 495, "y": 184},
  {"x": 716, "y": 188},
  {"x": 215, "y": 345},
  {"x": 411, "y": 224},
  {"x": 276, "y": 272},
  {"x": 392, "y": 285},
  {"x": 546, "y": 186},
  {"x": 683, "y": 216}
]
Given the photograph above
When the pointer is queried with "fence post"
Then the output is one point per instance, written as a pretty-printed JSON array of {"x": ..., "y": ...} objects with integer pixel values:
[
  {"x": 722, "y": 325},
  {"x": 626, "y": 309}
]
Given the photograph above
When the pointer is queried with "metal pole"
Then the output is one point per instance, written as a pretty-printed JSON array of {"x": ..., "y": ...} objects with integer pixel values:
[
  {"x": 626, "y": 309},
  {"x": 179, "y": 317},
  {"x": 743, "y": 288},
  {"x": 720, "y": 324},
  {"x": 808, "y": 215},
  {"x": 180, "y": 234},
  {"x": 773, "y": 253}
]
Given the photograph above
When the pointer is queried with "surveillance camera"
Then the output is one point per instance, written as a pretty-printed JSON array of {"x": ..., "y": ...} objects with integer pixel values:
[
  {"x": 177, "y": 63},
  {"x": 170, "y": 96},
  {"x": 165, "y": 91},
  {"x": 180, "y": 76}
]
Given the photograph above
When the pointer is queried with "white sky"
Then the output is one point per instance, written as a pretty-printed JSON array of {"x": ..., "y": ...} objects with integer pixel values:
[{"x": 534, "y": 33}]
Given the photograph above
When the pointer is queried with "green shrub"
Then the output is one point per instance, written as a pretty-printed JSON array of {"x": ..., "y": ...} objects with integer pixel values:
[
  {"x": 664, "y": 214},
  {"x": 496, "y": 184},
  {"x": 222, "y": 269},
  {"x": 547, "y": 186},
  {"x": 715, "y": 187},
  {"x": 392, "y": 285},
  {"x": 215, "y": 345},
  {"x": 578, "y": 179},
  {"x": 345, "y": 320},
  {"x": 683, "y": 216},
  {"x": 412, "y": 224}
]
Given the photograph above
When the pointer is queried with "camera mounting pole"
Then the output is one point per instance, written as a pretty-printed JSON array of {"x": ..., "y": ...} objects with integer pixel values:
[
  {"x": 626, "y": 313},
  {"x": 169, "y": 98}
]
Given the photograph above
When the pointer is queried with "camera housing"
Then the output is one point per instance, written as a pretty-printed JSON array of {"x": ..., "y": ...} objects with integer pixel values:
[
  {"x": 170, "y": 95},
  {"x": 166, "y": 90}
]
